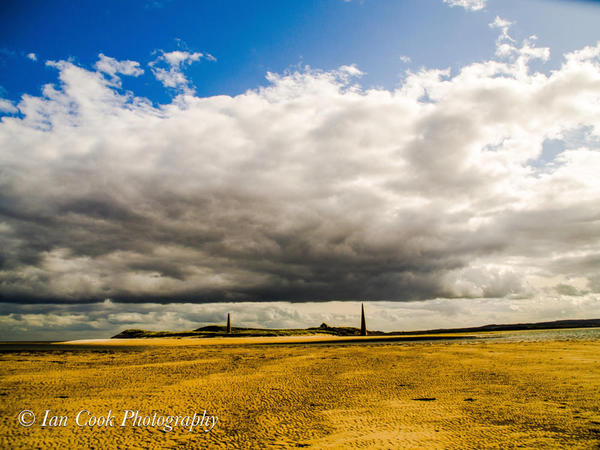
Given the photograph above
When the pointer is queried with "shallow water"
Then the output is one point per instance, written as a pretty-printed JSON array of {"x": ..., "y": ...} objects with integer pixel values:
[{"x": 567, "y": 334}]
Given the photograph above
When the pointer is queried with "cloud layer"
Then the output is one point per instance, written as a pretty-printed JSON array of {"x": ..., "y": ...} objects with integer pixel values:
[
  {"x": 472, "y": 5},
  {"x": 309, "y": 189},
  {"x": 102, "y": 320}
]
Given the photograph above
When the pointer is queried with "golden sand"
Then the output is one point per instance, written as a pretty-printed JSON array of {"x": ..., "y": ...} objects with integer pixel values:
[{"x": 370, "y": 395}]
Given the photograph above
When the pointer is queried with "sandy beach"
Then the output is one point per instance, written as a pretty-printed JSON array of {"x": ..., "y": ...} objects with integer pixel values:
[{"x": 454, "y": 394}]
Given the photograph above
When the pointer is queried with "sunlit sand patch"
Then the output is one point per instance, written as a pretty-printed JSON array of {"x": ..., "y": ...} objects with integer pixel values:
[{"x": 452, "y": 394}]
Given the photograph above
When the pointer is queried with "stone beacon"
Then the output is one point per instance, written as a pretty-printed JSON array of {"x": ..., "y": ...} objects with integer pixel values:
[
  {"x": 363, "y": 323},
  {"x": 228, "y": 323}
]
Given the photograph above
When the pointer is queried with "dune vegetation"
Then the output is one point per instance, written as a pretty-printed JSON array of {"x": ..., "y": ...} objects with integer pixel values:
[{"x": 221, "y": 331}]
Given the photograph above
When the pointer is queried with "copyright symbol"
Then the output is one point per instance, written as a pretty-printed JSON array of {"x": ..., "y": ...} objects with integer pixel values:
[{"x": 26, "y": 418}]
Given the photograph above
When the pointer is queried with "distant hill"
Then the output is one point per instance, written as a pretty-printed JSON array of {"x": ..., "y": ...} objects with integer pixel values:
[
  {"x": 556, "y": 324},
  {"x": 221, "y": 331}
]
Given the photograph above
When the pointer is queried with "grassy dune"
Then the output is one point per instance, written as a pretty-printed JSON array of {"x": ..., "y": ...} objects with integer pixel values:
[
  {"x": 324, "y": 329},
  {"x": 388, "y": 395},
  {"x": 221, "y": 331}
]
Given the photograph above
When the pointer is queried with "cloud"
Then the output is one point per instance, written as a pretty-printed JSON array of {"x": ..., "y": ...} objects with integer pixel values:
[
  {"x": 504, "y": 25},
  {"x": 32, "y": 56},
  {"x": 112, "y": 67},
  {"x": 168, "y": 68},
  {"x": 472, "y": 5},
  {"x": 7, "y": 107},
  {"x": 405, "y": 59},
  {"x": 309, "y": 189},
  {"x": 102, "y": 320},
  {"x": 506, "y": 45}
]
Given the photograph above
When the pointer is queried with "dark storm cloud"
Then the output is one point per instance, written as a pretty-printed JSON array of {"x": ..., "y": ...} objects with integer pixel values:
[{"x": 309, "y": 189}]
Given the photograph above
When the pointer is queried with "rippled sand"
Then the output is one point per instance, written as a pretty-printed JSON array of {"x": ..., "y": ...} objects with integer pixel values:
[{"x": 468, "y": 394}]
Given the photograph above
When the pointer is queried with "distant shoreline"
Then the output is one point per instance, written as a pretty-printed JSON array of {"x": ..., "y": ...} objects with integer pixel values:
[
  {"x": 497, "y": 336},
  {"x": 221, "y": 331}
]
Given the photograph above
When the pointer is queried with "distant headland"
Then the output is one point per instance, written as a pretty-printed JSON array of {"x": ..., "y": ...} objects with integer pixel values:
[{"x": 324, "y": 329}]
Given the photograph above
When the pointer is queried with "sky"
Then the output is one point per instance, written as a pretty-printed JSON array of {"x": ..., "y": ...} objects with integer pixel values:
[{"x": 163, "y": 163}]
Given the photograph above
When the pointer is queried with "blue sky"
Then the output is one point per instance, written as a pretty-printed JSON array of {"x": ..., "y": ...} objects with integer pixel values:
[
  {"x": 250, "y": 38},
  {"x": 164, "y": 162}
]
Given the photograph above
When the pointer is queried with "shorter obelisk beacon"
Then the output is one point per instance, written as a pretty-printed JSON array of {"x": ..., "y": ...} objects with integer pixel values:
[
  {"x": 228, "y": 323},
  {"x": 363, "y": 322}
]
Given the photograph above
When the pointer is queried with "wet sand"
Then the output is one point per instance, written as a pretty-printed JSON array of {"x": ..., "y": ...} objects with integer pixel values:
[{"x": 331, "y": 394}]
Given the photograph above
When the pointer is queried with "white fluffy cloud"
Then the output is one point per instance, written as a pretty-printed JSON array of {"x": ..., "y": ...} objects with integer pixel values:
[
  {"x": 6, "y": 106},
  {"x": 32, "y": 56},
  {"x": 472, "y": 5},
  {"x": 112, "y": 67},
  {"x": 168, "y": 68},
  {"x": 504, "y": 25},
  {"x": 311, "y": 188}
]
